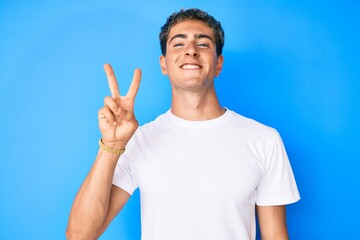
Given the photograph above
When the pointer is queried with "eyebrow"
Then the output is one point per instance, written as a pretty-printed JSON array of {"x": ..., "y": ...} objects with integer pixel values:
[{"x": 197, "y": 36}]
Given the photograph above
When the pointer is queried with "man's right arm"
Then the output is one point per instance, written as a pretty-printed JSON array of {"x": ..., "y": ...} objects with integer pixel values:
[{"x": 98, "y": 201}]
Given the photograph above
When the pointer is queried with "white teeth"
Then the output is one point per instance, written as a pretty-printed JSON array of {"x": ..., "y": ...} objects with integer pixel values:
[{"x": 189, "y": 66}]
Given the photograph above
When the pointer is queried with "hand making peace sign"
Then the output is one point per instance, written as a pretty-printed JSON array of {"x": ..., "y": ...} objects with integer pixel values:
[{"x": 117, "y": 121}]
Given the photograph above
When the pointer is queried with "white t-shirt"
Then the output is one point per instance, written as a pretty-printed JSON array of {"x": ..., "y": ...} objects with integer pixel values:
[{"x": 202, "y": 179}]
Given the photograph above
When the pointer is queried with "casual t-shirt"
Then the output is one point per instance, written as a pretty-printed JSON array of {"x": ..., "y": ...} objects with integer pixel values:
[{"x": 202, "y": 179}]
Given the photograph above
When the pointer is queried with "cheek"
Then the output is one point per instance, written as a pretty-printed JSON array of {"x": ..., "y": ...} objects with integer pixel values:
[{"x": 171, "y": 62}]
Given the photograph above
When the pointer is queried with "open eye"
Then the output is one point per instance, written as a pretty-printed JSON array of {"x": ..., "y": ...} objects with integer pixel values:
[
  {"x": 176, "y": 45},
  {"x": 203, "y": 45}
]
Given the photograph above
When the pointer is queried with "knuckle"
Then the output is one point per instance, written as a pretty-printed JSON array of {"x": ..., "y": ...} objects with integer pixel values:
[
  {"x": 107, "y": 99},
  {"x": 102, "y": 110}
]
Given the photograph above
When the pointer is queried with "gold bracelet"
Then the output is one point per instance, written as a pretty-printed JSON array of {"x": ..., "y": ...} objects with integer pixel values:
[{"x": 116, "y": 151}]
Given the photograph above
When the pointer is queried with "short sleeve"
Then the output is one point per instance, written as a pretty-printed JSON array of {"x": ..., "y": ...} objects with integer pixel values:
[
  {"x": 278, "y": 186},
  {"x": 123, "y": 176}
]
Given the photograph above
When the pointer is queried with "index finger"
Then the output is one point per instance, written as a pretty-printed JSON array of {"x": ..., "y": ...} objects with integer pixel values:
[
  {"x": 113, "y": 85},
  {"x": 134, "y": 87}
]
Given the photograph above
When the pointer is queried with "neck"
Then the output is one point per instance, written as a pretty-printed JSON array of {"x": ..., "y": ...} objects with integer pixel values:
[{"x": 196, "y": 106}]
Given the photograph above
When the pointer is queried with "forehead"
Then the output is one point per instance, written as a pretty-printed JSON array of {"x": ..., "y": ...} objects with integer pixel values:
[{"x": 191, "y": 27}]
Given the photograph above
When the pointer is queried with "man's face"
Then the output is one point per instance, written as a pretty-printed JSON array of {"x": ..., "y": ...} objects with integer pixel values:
[{"x": 191, "y": 61}]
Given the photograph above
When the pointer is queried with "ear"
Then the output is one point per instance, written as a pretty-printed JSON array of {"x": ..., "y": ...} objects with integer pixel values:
[
  {"x": 163, "y": 65},
  {"x": 219, "y": 65}
]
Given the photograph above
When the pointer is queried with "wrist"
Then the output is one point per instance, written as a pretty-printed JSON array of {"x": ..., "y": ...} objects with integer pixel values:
[
  {"x": 116, "y": 148},
  {"x": 114, "y": 144}
]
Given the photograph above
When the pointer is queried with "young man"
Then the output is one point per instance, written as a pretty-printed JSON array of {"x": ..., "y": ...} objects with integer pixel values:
[{"x": 202, "y": 169}]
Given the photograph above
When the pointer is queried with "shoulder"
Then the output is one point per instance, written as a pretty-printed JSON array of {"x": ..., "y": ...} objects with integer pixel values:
[
  {"x": 250, "y": 126},
  {"x": 158, "y": 122},
  {"x": 152, "y": 128}
]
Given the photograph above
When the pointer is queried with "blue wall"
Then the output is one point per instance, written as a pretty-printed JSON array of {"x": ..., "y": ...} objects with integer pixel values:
[{"x": 291, "y": 65}]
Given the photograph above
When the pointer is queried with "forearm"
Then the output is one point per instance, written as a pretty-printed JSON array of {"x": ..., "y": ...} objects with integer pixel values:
[{"x": 91, "y": 204}]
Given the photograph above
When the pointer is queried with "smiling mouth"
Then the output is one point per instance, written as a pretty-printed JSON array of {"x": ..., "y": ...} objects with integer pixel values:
[{"x": 190, "y": 66}]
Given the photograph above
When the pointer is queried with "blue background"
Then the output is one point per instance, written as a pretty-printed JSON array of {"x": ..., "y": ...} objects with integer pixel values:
[{"x": 293, "y": 65}]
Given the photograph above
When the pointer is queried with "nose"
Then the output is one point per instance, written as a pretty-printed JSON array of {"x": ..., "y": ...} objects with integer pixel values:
[{"x": 191, "y": 50}]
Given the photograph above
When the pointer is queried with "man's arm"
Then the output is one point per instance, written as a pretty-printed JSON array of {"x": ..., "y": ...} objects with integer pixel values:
[
  {"x": 98, "y": 201},
  {"x": 118, "y": 199},
  {"x": 272, "y": 222}
]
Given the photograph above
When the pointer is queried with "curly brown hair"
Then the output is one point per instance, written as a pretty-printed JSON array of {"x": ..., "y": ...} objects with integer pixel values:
[{"x": 192, "y": 14}]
